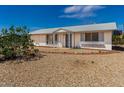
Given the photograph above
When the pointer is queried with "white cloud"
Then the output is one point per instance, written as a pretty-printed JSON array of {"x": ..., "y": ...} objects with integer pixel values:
[
  {"x": 72, "y": 9},
  {"x": 81, "y": 11}
]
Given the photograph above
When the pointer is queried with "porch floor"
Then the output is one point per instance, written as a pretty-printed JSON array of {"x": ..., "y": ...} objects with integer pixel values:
[{"x": 73, "y": 51}]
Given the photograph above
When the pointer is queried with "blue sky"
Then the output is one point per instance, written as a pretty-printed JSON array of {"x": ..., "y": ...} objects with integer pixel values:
[{"x": 36, "y": 17}]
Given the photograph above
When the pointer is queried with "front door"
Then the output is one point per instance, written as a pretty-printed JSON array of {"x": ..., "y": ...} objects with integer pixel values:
[{"x": 68, "y": 40}]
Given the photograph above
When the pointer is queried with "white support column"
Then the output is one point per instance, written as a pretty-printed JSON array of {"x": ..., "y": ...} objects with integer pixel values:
[{"x": 63, "y": 40}]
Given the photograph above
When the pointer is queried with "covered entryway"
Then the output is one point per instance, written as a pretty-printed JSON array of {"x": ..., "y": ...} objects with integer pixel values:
[{"x": 64, "y": 38}]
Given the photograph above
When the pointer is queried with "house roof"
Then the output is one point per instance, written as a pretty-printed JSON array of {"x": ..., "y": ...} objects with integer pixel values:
[{"x": 81, "y": 28}]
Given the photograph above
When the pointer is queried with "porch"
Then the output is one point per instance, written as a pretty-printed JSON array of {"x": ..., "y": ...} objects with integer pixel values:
[{"x": 60, "y": 38}]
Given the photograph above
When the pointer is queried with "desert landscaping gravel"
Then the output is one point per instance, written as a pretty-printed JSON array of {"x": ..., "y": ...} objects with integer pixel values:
[{"x": 60, "y": 70}]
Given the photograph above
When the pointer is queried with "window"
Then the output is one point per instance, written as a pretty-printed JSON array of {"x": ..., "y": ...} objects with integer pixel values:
[
  {"x": 81, "y": 37},
  {"x": 94, "y": 36},
  {"x": 88, "y": 37},
  {"x": 91, "y": 36}
]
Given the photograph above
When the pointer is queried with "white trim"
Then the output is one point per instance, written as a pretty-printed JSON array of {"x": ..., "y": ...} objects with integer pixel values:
[
  {"x": 107, "y": 46},
  {"x": 91, "y": 42}
]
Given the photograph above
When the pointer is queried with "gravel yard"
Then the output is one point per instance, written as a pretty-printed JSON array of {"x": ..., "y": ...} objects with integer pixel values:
[{"x": 60, "y": 70}]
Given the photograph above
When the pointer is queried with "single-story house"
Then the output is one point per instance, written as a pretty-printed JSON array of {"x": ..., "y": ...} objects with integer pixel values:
[{"x": 94, "y": 36}]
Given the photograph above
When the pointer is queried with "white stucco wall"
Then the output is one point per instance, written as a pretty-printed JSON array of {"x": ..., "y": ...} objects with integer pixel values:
[
  {"x": 101, "y": 36},
  {"x": 108, "y": 40},
  {"x": 39, "y": 39}
]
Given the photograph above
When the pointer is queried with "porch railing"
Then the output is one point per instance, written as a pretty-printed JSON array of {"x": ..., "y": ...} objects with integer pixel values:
[{"x": 92, "y": 44}]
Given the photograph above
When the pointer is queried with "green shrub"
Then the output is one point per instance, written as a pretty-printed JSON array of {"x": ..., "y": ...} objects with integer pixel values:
[
  {"x": 16, "y": 42},
  {"x": 118, "y": 39},
  {"x": 9, "y": 53}
]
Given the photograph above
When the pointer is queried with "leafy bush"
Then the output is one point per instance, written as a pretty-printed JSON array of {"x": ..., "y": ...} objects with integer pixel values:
[
  {"x": 118, "y": 39},
  {"x": 16, "y": 42}
]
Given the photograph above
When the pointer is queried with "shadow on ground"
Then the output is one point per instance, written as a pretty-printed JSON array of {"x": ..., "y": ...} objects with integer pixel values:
[
  {"x": 20, "y": 59},
  {"x": 118, "y": 48}
]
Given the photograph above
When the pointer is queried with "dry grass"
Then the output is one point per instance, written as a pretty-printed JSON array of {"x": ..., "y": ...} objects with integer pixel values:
[{"x": 65, "y": 70}]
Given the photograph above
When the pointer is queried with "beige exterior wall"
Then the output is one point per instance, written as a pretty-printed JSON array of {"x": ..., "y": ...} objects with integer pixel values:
[
  {"x": 101, "y": 36},
  {"x": 39, "y": 39}
]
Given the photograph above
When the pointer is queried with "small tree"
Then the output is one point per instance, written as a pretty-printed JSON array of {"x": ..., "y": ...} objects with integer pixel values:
[{"x": 15, "y": 42}]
